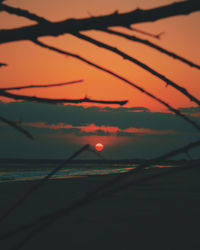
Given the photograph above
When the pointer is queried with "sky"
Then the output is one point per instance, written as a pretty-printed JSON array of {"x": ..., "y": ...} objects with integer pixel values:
[{"x": 142, "y": 128}]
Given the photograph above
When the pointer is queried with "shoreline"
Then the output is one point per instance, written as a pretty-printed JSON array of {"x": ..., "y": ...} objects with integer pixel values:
[{"x": 6, "y": 166}]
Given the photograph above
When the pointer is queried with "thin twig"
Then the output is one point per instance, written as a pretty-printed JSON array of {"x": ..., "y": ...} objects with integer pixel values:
[
  {"x": 16, "y": 126},
  {"x": 96, "y": 153},
  {"x": 42, "y": 86},
  {"x": 157, "y": 36}
]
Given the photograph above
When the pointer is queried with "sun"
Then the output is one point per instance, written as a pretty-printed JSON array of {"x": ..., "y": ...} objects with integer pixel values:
[{"x": 99, "y": 146}]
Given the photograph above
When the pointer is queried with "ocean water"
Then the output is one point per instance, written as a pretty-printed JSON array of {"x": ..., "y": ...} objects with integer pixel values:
[{"x": 27, "y": 173}]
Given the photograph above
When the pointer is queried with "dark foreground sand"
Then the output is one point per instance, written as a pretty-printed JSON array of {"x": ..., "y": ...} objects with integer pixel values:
[{"x": 161, "y": 214}]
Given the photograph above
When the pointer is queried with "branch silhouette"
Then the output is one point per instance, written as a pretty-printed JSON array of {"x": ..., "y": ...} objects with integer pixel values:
[
  {"x": 42, "y": 85},
  {"x": 154, "y": 46},
  {"x": 176, "y": 111},
  {"x": 140, "y": 64},
  {"x": 97, "y": 23},
  {"x": 157, "y": 36},
  {"x": 58, "y": 100},
  {"x": 17, "y": 127}
]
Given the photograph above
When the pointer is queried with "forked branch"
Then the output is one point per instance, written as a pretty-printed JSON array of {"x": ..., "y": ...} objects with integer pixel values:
[{"x": 98, "y": 23}]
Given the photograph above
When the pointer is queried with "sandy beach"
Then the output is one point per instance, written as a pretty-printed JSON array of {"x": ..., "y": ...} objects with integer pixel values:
[{"x": 160, "y": 214}]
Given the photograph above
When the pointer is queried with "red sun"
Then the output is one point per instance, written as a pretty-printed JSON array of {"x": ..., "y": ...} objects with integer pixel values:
[{"x": 99, "y": 146}]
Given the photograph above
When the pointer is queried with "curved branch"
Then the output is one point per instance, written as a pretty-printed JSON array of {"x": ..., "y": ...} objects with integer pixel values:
[
  {"x": 42, "y": 86},
  {"x": 57, "y": 101},
  {"x": 14, "y": 125},
  {"x": 177, "y": 112},
  {"x": 154, "y": 46},
  {"x": 140, "y": 64},
  {"x": 97, "y": 23}
]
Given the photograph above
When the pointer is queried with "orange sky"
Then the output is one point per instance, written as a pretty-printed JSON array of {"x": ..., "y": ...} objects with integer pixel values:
[{"x": 29, "y": 64}]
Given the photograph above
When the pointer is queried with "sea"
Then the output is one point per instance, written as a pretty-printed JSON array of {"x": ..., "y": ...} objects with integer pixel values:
[{"x": 15, "y": 172}]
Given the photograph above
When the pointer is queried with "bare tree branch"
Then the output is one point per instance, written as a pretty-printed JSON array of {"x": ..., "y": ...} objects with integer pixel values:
[
  {"x": 140, "y": 64},
  {"x": 98, "y": 193},
  {"x": 42, "y": 86},
  {"x": 177, "y": 112},
  {"x": 100, "y": 22},
  {"x": 57, "y": 101},
  {"x": 17, "y": 127},
  {"x": 153, "y": 45},
  {"x": 23, "y": 13}
]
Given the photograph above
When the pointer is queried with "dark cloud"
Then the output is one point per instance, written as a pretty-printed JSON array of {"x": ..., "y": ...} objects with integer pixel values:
[
  {"x": 127, "y": 109},
  {"x": 61, "y": 142},
  {"x": 190, "y": 110},
  {"x": 123, "y": 118},
  {"x": 7, "y": 130},
  {"x": 52, "y": 143},
  {"x": 98, "y": 132},
  {"x": 124, "y": 133}
]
